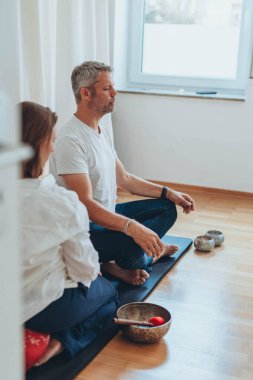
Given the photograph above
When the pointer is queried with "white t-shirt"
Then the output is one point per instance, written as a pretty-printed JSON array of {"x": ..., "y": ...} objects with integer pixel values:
[
  {"x": 79, "y": 149},
  {"x": 55, "y": 245}
]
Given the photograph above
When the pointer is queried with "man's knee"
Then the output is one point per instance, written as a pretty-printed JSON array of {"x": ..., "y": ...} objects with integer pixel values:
[
  {"x": 174, "y": 211},
  {"x": 171, "y": 210}
]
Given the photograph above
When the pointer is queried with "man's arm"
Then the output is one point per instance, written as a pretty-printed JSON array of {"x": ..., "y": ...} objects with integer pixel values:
[
  {"x": 80, "y": 183},
  {"x": 138, "y": 186},
  {"x": 147, "y": 239}
]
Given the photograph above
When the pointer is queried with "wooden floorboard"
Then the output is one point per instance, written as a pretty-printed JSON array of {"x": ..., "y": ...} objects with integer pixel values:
[{"x": 210, "y": 297}]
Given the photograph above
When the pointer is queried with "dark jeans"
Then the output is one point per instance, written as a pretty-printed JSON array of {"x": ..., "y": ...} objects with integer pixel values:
[
  {"x": 78, "y": 316},
  {"x": 157, "y": 214}
]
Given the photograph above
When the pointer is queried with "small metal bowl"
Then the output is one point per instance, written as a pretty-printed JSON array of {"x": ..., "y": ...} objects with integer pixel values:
[
  {"x": 142, "y": 311},
  {"x": 217, "y": 236},
  {"x": 204, "y": 243}
]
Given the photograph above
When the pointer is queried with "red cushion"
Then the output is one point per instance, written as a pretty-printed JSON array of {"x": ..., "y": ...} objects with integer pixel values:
[{"x": 35, "y": 346}]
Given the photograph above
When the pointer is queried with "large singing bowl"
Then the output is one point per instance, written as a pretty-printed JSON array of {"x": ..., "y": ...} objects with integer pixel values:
[{"x": 142, "y": 311}]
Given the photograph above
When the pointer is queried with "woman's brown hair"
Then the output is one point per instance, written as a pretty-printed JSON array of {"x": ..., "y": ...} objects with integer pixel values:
[{"x": 37, "y": 125}]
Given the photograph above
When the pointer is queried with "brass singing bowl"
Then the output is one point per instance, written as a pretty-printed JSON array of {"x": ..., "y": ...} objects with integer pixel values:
[{"x": 142, "y": 311}]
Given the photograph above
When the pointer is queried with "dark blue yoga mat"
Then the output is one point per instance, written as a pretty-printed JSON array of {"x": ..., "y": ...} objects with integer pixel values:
[{"x": 63, "y": 368}]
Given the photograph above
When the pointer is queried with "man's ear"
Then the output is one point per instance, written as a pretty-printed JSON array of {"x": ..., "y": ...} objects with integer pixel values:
[{"x": 84, "y": 92}]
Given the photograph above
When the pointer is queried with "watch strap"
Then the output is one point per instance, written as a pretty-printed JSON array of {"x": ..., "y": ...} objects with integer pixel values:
[{"x": 164, "y": 192}]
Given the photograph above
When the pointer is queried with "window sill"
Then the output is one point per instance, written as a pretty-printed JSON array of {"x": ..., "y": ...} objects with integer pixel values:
[{"x": 184, "y": 93}]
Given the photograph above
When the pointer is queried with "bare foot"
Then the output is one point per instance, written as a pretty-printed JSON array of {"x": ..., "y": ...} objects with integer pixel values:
[
  {"x": 131, "y": 276},
  {"x": 54, "y": 348},
  {"x": 168, "y": 250}
]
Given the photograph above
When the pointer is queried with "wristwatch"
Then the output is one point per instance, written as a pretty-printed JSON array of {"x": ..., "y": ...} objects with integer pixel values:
[{"x": 164, "y": 192}]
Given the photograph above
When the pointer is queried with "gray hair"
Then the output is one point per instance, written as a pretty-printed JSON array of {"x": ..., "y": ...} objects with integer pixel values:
[{"x": 85, "y": 75}]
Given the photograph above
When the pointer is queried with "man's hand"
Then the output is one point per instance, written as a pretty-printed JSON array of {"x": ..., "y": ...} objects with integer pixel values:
[
  {"x": 182, "y": 199},
  {"x": 147, "y": 239}
]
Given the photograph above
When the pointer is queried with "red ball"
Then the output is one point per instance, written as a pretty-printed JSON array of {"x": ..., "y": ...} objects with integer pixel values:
[
  {"x": 35, "y": 346},
  {"x": 157, "y": 321}
]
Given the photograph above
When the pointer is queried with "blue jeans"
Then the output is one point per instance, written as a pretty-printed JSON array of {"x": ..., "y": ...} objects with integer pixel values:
[
  {"x": 78, "y": 316},
  {"x": 157, "y": 214}
]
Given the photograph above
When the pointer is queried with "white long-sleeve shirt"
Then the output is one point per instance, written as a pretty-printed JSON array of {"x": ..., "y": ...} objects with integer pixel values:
[{"x": 55, "y": 245}]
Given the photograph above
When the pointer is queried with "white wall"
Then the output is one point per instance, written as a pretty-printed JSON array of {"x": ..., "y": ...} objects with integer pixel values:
[{"x": 184, "y": 140}]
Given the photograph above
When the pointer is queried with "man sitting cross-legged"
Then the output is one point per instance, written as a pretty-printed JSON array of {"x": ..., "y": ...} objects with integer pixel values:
[{"x": 127, "y": 235}]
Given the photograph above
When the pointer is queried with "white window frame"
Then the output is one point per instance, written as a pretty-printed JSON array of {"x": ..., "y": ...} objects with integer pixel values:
[{"x": 233, "y": 88}]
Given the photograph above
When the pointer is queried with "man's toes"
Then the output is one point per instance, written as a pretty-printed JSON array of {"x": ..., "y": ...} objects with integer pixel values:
[
  {"x": 139, "y": 282},
  {"x": 141, "y": 278},
  {"x": 144, "y": 274},
  {"x": 171, "y": 249}
]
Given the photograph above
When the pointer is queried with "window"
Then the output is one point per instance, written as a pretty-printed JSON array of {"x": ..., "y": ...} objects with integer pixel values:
[{"x": 191, "y": 45}]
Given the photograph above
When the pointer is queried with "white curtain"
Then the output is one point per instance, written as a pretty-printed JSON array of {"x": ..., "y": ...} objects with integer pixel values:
[{"x": 57, "y": 35}]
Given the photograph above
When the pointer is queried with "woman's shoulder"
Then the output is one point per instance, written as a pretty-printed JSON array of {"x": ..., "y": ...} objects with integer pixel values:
[
  {"x": 46, "y": 197},
  {"x": 59, "y": 193}
]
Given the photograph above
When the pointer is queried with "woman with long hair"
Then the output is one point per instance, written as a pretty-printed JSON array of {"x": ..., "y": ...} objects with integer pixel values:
[{"x": 63, "y": 293}]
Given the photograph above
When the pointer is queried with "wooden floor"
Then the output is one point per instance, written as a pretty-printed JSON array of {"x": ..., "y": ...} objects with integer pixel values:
[{"x": 210, "y": 297}]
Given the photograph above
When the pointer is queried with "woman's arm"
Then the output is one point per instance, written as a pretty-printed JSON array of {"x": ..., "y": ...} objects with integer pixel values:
[{"x": 81, "y": 258}]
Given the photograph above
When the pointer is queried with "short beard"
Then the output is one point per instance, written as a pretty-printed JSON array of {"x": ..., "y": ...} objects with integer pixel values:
[{"x": 93, "y": 101}]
